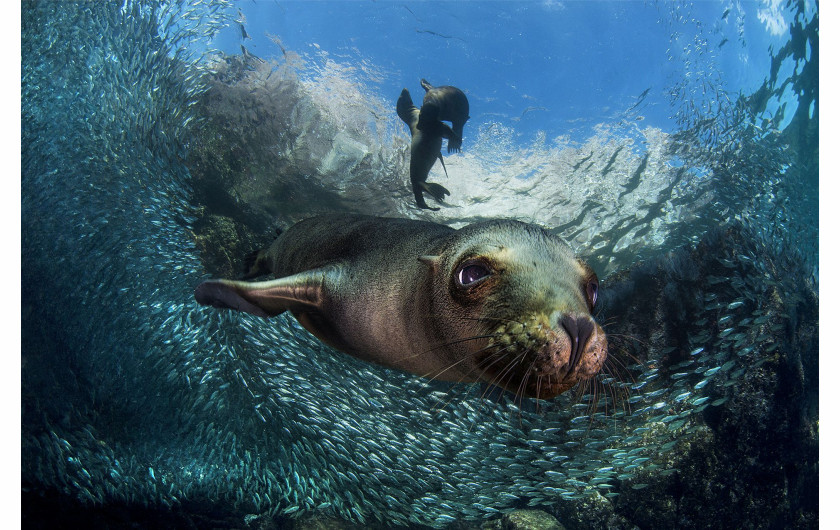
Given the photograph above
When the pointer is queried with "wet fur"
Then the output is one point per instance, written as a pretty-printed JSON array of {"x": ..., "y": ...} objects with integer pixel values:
[
  {"x": 383, "y": 290},
  {"x": 447, "y": 103}
]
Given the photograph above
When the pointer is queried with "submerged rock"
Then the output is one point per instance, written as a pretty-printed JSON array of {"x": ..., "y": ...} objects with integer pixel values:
[
  {"x": 223, "y": 244},
  {"x": 528, "y": 520}
]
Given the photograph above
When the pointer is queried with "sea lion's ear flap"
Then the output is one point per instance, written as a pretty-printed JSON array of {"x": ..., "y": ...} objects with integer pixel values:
[
  {"x": 431, "y": 261},
  {"x": 270, "y": 298}
]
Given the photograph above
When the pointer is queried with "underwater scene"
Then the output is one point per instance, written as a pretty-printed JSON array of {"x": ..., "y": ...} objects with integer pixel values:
[{"x": 672, "y": 145}]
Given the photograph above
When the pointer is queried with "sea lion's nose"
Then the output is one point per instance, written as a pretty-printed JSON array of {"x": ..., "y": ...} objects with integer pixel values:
[{"x": 579, "y": 329}]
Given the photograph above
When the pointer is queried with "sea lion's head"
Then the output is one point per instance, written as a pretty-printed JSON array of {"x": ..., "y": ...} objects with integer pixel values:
[{"x": 521, "y": 304}]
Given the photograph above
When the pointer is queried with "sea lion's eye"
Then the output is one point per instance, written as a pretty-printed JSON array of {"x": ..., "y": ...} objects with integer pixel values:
[
  {"x": 471, "y": 273},
  {"x": 592, "y": 292}
]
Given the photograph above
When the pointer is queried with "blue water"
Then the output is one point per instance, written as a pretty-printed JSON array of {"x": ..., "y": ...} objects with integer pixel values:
[
  {"x": 577, "y": 64},
  {"x": 154, "y": 147}
]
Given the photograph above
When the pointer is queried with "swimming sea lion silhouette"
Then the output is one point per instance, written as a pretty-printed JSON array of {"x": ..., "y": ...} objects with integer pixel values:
[{"x": 425, "y": 149}]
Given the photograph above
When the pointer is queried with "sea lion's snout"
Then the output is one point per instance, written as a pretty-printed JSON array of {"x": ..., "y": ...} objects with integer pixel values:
[
  {"x": 573, "y": 351},
  {"x": 539, "y": 360}
]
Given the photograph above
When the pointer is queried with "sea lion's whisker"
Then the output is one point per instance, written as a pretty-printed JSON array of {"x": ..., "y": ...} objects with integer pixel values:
[
  {"x": 523, "y": 383},
  {"x": 579, "y": 392},
  {"x": 600, "y": 312},
  {"x": 615, "y": 336},
  {"x": 520, "y": 393},
  {"x": 511, "y": 374},
  {"x": 620, "y": 397},
  {"x": 595, "y": 399},
  {"x": 497, "y": 354},
  {"x": 459, "y": 361},
  {"x": 615, "y": 367},
  {"x": 443, "y": 404},
  {"x": 509, "y": 368},
  {"x": 613, "y": 393},
  {"x": 609, "y": 393},
  {"x": 589, "y": 411},
  {"x": 504, "y": 371},
  {"x": 625, "y": 353},
  {"x": 627, "y": 392},
  {"x": 443, "y": 345},
  {"x": 632, "y": 357},
  {"x": 539, "y": 385},
  {"x": 447, "y": 343},
  {"x": 494, "y": 320},
  {"x": 494, "y": 357},
  {"x": 591, "y": 387},
  {"x": 494, "y": 354},
  {"x": 466, "y": 339}
]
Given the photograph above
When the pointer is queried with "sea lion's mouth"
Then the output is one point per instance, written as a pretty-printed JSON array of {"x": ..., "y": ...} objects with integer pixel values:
[{"x": 534, "y": 359}]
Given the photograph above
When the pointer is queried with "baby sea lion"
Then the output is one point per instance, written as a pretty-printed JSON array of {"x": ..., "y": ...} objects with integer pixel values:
[
  {"x": 446, "y": 103},
  {"x": 502, "y": 302},
  {"x": 425, "y": 149}
]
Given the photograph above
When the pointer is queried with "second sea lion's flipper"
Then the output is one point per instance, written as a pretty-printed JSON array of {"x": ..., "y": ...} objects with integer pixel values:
[
  {"x": 297, "y": 293},
  {"x": 435, "y": 190},
  {"x": 453, "y": 144},
  {"x": 446, "y": 132},
  {"x": 418, "y": 188},
  {"x": 453, "y": 139},
  {"x": 440, "y": 157}
]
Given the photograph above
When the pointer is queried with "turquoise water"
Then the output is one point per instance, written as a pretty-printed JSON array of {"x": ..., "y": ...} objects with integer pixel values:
[{"x": 630, "y": 129}]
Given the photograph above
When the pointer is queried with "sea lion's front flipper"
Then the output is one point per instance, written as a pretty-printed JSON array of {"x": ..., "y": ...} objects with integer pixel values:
[
  {"x": 305, "y": 291},
  {"x": 454, "y": 144},
  {"x": 453, "y": 139}
]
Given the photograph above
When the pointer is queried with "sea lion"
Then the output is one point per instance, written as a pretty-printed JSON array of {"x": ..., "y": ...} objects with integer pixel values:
[
  {"x": 447, "y": 103},
  {"x": 503, "y": 302},
  {"x": 425, "y": 149}
]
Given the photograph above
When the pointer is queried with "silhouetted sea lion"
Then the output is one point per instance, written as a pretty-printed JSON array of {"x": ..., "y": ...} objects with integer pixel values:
[
  {"x": 502, "y": 302},
  {"x": 447, "y": 103},
  {"x": 425, "y": 149}
]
